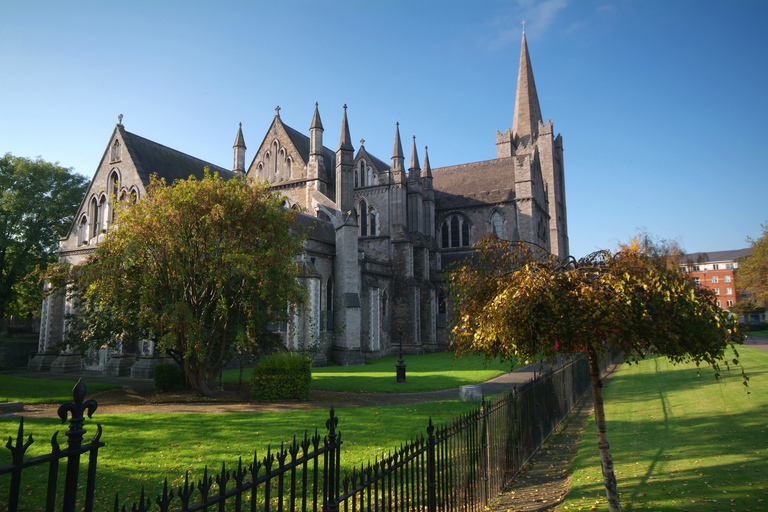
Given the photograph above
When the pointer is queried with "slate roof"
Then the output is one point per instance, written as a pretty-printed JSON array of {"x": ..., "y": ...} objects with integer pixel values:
[
  {"x": 301, "y": 143},
  {"x": 474, "y": 184},
  {"x": 153, "y": 158},
  {"x": 317, "y": 229},
  {"x": 716, "y": 256}
]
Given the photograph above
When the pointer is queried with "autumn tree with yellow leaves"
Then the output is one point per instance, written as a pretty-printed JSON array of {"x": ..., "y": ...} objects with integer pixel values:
[{"x": 515, "y": 300}]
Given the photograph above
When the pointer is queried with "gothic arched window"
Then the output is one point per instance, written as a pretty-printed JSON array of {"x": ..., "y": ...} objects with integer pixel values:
[
  {"x": 357, "y": 179},
  {"x": 363, "y": 218},
  {"x": 114, "y": 155},
  {"x": 363, "y": 182},
  {"x": 496, "y": 224},
  {"x": 369, "y": 177},
  {"x": 372, "y": 217},
  {"x": 95, "y": 218},
  {"x": 455, "y": 232},
  {"x": 82, "y": 231}
]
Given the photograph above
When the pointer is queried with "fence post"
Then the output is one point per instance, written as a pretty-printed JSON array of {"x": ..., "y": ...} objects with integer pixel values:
[
  {"x": 75, "y": 439},
  {"x": 431, "y": 473},
  {"x": 331, "y": 499},
  {"x": 484, "y": 452}
]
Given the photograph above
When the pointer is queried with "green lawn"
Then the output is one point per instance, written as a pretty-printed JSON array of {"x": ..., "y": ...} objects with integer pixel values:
[
  {"x": 43, "y": 391},
  {"x": 427, "y": 372},
  {"x": 763, "y": 334},
  {"x": 144, "y": 448},
  {"x": 680, "y": 442}
]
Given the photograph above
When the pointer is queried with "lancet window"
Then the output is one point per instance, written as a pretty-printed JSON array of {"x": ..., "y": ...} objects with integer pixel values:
[{"x": 455, "y": 232}]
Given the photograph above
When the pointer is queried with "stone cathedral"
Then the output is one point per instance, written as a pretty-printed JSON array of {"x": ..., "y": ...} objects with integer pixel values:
[{"x": 380, "y": 232}]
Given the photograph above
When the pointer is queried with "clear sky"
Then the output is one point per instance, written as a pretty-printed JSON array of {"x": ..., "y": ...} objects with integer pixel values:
[{"x": 662, "y": 104}]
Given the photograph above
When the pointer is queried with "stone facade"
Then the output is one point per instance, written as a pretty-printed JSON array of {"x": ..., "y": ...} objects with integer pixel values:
[{"x": 379, "y": 234}]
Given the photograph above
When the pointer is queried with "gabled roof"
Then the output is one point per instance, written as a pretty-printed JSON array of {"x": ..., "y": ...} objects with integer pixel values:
[
  {"x": 377, "y": 164},
  {"x": 152, "y": 158},
  {"x": 474, "y": 184},
  {"x": 301, "y": 143}
]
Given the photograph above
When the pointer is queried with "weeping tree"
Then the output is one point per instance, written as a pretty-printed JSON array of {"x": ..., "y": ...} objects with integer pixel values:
[
  {"x": 200, "y": 267},
  {"x": 515, "y": 300}
]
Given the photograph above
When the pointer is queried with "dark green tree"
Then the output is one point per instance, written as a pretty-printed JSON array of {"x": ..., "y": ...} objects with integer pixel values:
[{"x": 38, "y": 201}]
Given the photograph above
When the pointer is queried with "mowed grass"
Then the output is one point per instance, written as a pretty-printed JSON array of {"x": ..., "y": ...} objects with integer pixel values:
[
  {"x": 428, "y": 372},
  {"x": 43, "y": 391},
  {"x": 142, "y": 449},
  {"x": 680, "y": 442}
]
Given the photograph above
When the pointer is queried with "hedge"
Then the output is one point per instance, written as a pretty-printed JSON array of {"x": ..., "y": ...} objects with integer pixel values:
[{"x": 282, "y": 376}]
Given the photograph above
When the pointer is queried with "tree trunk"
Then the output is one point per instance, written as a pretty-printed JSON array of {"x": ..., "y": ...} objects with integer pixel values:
[
  {"x": 606, "y": 461},
  {"x": 196, "y": 376}
]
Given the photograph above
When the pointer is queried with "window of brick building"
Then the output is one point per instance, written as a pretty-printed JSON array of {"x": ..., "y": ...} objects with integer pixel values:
[
  {"x": 727, "y": 279},
  {"x": 714, "y": 279}
]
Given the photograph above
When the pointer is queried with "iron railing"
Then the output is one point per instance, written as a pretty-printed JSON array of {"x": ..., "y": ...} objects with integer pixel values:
[{"x": 455, "y": 467}]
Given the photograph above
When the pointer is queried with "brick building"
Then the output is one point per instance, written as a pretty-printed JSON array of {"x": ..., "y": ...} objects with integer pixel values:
[
  {"x": 716, "y": 271},
  {"x": 379, "y": 234}
]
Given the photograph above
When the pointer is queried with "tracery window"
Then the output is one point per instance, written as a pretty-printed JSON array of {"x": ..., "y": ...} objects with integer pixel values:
[
  {"x": 455, "y": 232},
  {"x": 82, "y": 231}
]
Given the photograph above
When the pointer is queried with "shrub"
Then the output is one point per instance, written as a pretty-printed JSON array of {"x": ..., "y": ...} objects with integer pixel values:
[
  {"x": 168, "y": 377},
  {"x": 281, "y": 376},
  {"x": 757, "y": 326}
]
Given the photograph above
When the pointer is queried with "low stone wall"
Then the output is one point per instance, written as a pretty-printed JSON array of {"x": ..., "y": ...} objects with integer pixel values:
[{"x": 16, "y": 353}]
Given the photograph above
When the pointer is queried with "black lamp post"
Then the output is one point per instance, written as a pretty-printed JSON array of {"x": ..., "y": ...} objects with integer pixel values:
[{"x": 400, "y": 363}]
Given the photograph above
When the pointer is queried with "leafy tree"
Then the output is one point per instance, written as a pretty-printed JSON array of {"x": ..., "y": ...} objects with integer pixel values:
[
  {"x": 753, "y": 270},
  {"x": 517, "y": 301},
  {"x": 200, "y": 267},
  {"x": 38, "y": 200}
]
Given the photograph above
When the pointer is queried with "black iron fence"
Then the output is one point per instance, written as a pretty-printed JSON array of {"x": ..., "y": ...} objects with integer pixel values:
[{"x": 454, "y": 467}]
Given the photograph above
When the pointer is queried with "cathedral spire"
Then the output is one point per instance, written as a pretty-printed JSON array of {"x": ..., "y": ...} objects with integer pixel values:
[
  {"x": 414, "y": 170},
  {"x": 316, "y": 123},
  {"x": 527, "y": 111},
  {"x": 344, "y": 138},
  {"x": 427, "y": 171},
  {"x": 397, "y": 151}
]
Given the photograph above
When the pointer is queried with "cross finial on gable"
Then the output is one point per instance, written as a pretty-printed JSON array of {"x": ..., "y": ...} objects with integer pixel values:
[
  {"x": 277, "y": 111},
  {"x": 120, "y": 120},
  {"x": 362, "y": 142}
]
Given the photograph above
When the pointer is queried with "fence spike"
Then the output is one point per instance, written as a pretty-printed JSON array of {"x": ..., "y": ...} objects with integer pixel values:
[
  {"x": 17, "y": 451},
  {"x": 117, "y": 503},
  {"x": 185, "y": 493},
  {"x": 164, "y": 500},
  {"x": 55, "y": 448},
  {"x": 97, "y": 435}
]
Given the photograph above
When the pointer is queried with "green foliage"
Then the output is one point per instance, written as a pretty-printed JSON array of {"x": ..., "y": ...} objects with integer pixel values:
[
  {"x": 216, "y": 266},
  {"x": 38, "y": 200},
  {"x": 282, "y": 376},
  {"x": 168, "y": 377},
  {"x": 681, "y": 443}
]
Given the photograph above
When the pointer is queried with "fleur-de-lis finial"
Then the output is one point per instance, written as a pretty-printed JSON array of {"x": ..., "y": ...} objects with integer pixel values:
[{"x": 77, "y": 408}]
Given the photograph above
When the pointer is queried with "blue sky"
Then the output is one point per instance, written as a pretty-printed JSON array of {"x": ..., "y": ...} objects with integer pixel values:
[{"x": 661, "y": 104}]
